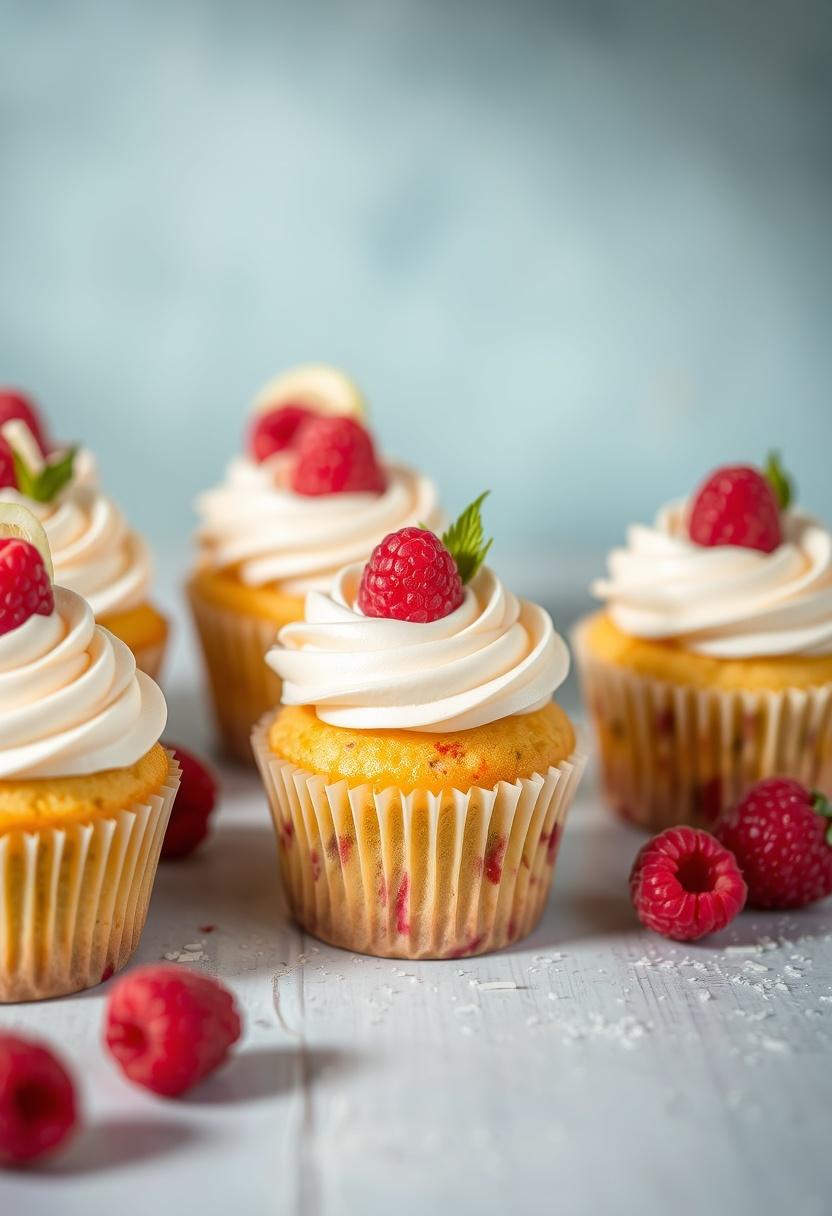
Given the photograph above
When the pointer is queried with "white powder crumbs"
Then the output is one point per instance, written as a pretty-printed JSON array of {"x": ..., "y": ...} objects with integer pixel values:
[
  {"x": 188, "y": 954},
  {"x": 751, "y": 965},
  {"x": 827, "y": 1000},
  {"x": 193, "y": 946},
  {"x": 497, "y": 986},
  {"x": 705, "y": 996},
  {"x": 751, "y": 948},
  {"x": 792, "y": 971},
  {"x": 626, "y": 1032},
  {"x": 556, "y": 996}
]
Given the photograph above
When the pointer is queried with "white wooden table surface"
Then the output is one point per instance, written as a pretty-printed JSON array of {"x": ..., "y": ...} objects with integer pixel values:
[{"x": 592, "y": 1069}]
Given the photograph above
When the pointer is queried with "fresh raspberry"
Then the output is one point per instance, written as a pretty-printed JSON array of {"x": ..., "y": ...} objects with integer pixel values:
[
  {"x": 25, "y": 589},
  {"x": 14, "y": 404},
  {"x": 8, "y": 476},
  {"x": 684, "y": 884},
  {"x": 37, "y": 1101},
  {"x": 169, "y": 1027},
  {"x": 276, "y": 430},
  {"x": 335, "y": 455},
  {"x": 736, "y": 505},
  {"x": 196, "y": 799},
  {"x": 410, "y": 576},
  {"x": 781, "y": 836}
]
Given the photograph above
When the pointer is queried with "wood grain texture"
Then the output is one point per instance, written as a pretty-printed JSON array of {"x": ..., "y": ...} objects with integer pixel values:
[{"x": 592, "y": 1069}]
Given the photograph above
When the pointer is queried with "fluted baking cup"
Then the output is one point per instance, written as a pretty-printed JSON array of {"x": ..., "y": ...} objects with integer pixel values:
[
  {"x": 417, "y": 875},
  {"x": 73, "y": 900},
  {"x": 671, "y": 754},
  {"x": 241, "y": 683}
]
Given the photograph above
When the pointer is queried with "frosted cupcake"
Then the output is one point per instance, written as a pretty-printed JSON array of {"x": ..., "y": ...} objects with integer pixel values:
[
  {"x": 308, "y": 496},
  {"x": 419, "y": 772},
  {"x": 711, "y": 665},
  {"x": 85, "y": 787},
  {"x": 94, "y": 551}
]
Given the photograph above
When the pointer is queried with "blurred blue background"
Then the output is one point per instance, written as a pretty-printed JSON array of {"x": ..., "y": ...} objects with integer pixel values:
[{"x": 578, "y": 251}]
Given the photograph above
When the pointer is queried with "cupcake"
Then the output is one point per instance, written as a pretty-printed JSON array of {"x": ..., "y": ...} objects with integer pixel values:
[
  {"x": 94, "y": 551},
  {"x": 85, "y": 788},
  {"x": 710, "y": 666},
  {"x": 419, "y": 772},
  {"x": 308, "y": 496}
]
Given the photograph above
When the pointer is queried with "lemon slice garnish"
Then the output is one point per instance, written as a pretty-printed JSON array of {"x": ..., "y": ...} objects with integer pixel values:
[
  {"x": 16, "y": 523},
  {"x": 322, "y": 388}
]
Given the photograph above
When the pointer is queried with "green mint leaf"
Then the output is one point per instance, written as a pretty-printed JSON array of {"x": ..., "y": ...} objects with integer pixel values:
[
  {"x": 465, "y": 540},
  {"x": 781, "y": 483},
  {"x": 48, "y": 483},
  {"x": 821, "y": 804}
]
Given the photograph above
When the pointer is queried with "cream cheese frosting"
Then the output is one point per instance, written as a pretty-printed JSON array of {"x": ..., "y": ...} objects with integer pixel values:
[
  {"x": 94, "y": 551},
  {"x": 726, "y": 601},
  {"x": 270, "y": 534},
  {"x": 71, "y": 699},
  {"x": 492, "y": 657}
]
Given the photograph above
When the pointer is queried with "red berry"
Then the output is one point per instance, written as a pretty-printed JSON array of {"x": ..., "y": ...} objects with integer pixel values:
[
  {"x": 169, "y": 1027},
  {"x": 684, "y": 884},
  {"x": 276, "y": 430},
  {"x": 8, "y": 477},
  {"x": 410, "y": 576},
  {"x": 25, "y": 589},
  {"x": 335, "y": 455},
  {"x": 780, "y": 835},
  {"x": 196, "y": 799},
  {"x": 14, "y": 404},
  {"x": 37, "y": 1101},
  {"x": 736, "y": 505}
]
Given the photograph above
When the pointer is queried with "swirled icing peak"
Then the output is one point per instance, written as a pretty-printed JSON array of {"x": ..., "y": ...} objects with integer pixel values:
[
  {"x": 725, "y": 601},
  {"x": 255, "y": 524},
  {"x": 71, "y": 699},
  {"x": 492, "y": 657}
]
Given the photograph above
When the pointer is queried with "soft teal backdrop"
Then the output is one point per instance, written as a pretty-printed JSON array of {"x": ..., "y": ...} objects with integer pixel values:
[{"x": 576, "y": 251}]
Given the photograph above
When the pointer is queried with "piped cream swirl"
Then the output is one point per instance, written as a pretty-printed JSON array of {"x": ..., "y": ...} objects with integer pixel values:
[
  {"x": 71, "y": 699},
  {"x": 493, "y": 657},
  {"x": 725, "y": 601},
  {"x": 256, "y": 524},
  {"x": 94, "y": 552}
]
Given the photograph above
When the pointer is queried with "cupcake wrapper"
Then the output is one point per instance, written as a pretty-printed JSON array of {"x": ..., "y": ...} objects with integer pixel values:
[
  {"x": 149, "y": 659},
  {"x": 74, "y": 900},
  {"x": 242, "y": 685},
  {"x": 416, "y": 875},
  {"x": 672, "y": 754}
]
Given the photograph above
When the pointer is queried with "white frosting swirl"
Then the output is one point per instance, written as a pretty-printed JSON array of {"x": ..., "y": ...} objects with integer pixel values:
[
  {"x": 725, "y": 601},
  {"x": 493, "y": 657},
  {"x": 71, "y": 699},
  {"x": 94, "y": 552},
  {"x": 255, "y": 523}
]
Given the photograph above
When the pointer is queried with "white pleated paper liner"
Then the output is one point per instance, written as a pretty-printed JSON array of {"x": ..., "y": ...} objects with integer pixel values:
[
  {"x": 416, "y": 875},
  {"x": 74, "y": 899},
  {"x": 672, "y": 754},
  {"x": 242, "y": 685}
]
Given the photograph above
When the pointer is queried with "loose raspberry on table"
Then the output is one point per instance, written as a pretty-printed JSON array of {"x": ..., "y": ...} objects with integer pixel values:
[
  {"x": 781, "y": 836},
  {"x": 685, "y": 884},
  {"x": 195, "y": 802},
  {"x": 335, "y": 455},
  {"x": 16, "y": 405},
  {"x": 25, "y": 587},
  {"x": 38, "y": 1110},
  {"x": 275, "y": 430},
  {"x": 410, "y": 576},
  {"x": 736, "y": 505},
  {"x": 169, "y": 1027}
]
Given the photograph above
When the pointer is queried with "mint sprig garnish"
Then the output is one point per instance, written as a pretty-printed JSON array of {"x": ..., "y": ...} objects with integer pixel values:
[
  {"x": 47, "y": 483},
  {"x": 465, "y": 540},
  {"x": 781, "y": 483},
  {"x": 821, "y": 804}
]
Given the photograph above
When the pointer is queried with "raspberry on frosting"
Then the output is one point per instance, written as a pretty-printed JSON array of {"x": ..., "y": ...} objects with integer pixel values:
[
  {"x": 335, "y": 455},
  {"x": 277, "y": 429},
  {"x": 739, "y": 505},
  {"x": 25, "y": 585},
  {"x": 410, "y": 576}
]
